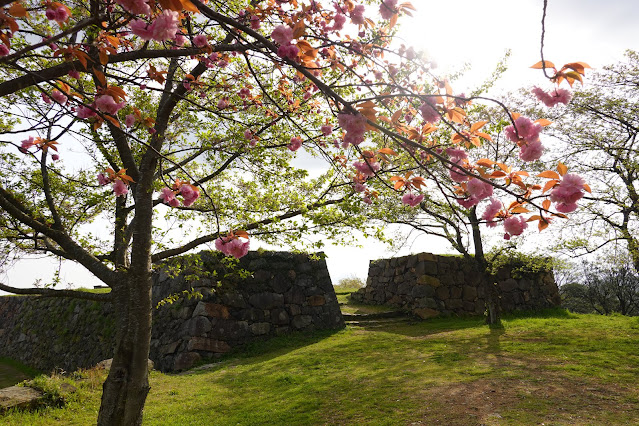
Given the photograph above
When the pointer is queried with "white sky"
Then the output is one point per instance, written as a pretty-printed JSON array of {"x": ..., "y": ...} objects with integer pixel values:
[{"x": 478, "y": 33}]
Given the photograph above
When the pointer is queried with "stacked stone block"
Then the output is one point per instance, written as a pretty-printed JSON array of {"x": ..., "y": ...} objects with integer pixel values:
[{"x": 429, "y": 285}]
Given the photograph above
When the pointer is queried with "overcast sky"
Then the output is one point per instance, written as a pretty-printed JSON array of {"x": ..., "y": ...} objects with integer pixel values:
[{"x": 478, "y": 33}]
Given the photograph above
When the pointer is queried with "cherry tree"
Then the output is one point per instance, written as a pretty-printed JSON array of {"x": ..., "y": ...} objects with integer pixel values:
[{"x": 185, "y": 113}]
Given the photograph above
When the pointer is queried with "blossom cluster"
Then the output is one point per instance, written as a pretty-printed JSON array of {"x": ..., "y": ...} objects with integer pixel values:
[
  {"x": 354, "y": 125},
  {"x": 412, "y": 199},
  {"x": 557, "y": 96},
  {"x": 567, "y": 193},
  {"x": 526, "y": 136},
  {"x": 119, "y": 187},
  {"x": 232, "y": 247},
  {"x": 188, "y": 192},
  {"x": 477, "y": 190}
]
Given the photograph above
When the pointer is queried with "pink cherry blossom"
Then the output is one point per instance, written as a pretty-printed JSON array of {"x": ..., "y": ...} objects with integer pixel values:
[
  {"x": 106, "y": 103},
  {"x": 357, "y": 15},
  {"x": 295, "y": 143},
  {"x": 255, "y": 22},
  {"x": 367, "y": 200},
  {"x": 165, "y": 25},
  {"x": 60, "y": 14},
  {"x": 289, "y": 51},
  {"x": 368, "y": 169},
  {"x": 526, "y": 129},
  {"x": 491, "y": 211},
  {"x": 200, "y": 41},
  {"x": 567, "y": 193},
  {"x": 326, "y": 129},
  {"x": 339, "y": 21},
  {"x": 45, "y": 98},
  {"x": 85, "y": 112},
  {"x": 234, "y": 247},
  {"x": 59, "y": 97},
  {"x": 282, "y": 34},
  {"x": 358, "y": 187},
  {"x": 4, "y": 50},
  {"x": 135, "y": 7},
  {"x": 163, "y": 28},
  {"x": 223, "y": 103},
  {"x": 557, "y": 96},
  {"x": 120, "y": 188},
  {"x": 355, "y": 127},
  {"x": 479, "y": 189},
  {"x": 456, "y": 171},
  {"x": 514, "y": 225},
  {"x": 429, "y": 112},
  {"x": 456, "y": 153},
  {"x": 531, "y": 151},
  {"x": 179, "y": 40},
  {"x": 248, "y": 134},
  {"x": 388, "y": 8},
  {"x": 55, "y": 157},
  {"x": 27, "y": 143},
  {"x": 129, "y": 120},
  {"x": 102, "y": 180},
  {"x": 411, "y": 199},
  {"x": 167, "y": 194},
  {"x": 189, "y": 194},
  {"x": 74, "y": 74}
]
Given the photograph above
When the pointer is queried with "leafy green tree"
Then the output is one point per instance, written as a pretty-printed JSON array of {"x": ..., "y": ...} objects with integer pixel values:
[
  {"x": 599, "y": 134},
  {"x": 177, "y": 122}
]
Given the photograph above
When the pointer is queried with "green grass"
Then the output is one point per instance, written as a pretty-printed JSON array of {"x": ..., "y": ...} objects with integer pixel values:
[
  {"x": 12, "y": 372},
  {"x": 553, "y": 368}
]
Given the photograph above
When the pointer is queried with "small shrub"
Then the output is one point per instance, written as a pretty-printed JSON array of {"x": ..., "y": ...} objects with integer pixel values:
[{"x": 351, "y": 283}]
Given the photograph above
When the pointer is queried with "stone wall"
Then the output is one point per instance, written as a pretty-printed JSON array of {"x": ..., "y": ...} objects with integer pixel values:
[
  {"x": 49, "y": 333},
  {"x": 278, "y": 293},
  {"x": 286, "y": 292},
  {"x": 429, "y": 285}
]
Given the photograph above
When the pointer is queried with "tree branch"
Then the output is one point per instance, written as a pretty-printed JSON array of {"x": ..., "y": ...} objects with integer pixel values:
[{"x": 48, "y": 292}]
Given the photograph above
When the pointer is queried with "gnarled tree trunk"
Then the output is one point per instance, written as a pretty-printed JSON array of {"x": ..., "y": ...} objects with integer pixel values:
[{"x": 127, "y": 385}]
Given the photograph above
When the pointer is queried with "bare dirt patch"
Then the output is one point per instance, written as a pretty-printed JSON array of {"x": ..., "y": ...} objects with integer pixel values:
[{"x": 543, "y": 398}]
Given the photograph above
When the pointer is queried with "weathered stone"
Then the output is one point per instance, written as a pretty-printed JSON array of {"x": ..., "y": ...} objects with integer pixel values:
[
  {"x": 455, "y": 292},
  {"x": 266, "y": 300},
  {"x": 279, "y": 316},
  {"x": 207, "y": 345},
  {"x": 213, "y": 310},
  {"x": 260, "y": 328},
  {"x": 443, "y": 293},
  {"x": 196, "y": 326},
  {"x": 453, "y": 304},
  {"x": 186, "y": 360},
  {"x": 301, "y": 321},
  {"x": 19, "y": 397},
  {"x": 294, "y": 309},
  {"x": 234, "y": 300},
  {"x": 426, "y": 257},
  {"x": 420, "y": 291},
  {"x": 316, "y": 300},
  {"x": 428, "y": 280},
  {"x": 469, "y": 293},
  {"x": 507, "y": 285},
  {"x": 425, "y": 313},
  {"x": 228, "y": 330},
  {"x": 169, "y": 348}
]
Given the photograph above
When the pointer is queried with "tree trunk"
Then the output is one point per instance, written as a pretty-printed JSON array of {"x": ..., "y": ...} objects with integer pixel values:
[
  {"x": 127, "y": 385},
  {"x": 491, "y": 291}
]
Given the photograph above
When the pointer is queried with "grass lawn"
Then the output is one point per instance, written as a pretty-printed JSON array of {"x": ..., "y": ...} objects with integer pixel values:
[
  {"x": 552, "y": 368},
  {"x": 12, "y": 372}
]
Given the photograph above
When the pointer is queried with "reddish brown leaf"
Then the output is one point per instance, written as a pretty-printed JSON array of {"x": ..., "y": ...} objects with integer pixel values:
[{"x": 543, "y": 64}]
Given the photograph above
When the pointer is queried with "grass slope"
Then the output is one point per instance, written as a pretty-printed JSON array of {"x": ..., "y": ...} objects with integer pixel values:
[{"x": 553, "y": 368}]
